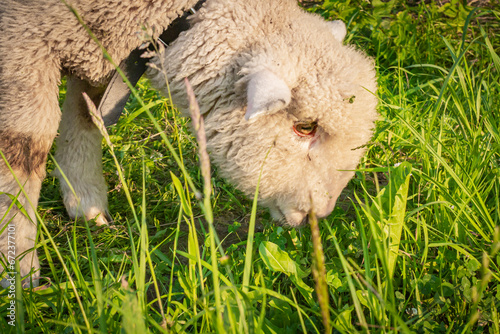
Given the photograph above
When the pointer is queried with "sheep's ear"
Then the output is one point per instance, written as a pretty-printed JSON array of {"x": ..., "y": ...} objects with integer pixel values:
[
  {"x": 266, "y": 94},
  {"x": 338, "y": 29}
]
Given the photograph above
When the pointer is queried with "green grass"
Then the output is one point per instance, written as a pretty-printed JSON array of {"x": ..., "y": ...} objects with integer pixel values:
[{"x": 412, "y": 246}]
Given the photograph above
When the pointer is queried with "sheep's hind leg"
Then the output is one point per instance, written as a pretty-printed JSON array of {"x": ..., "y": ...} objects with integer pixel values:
[{"x": 79, "y": 155}]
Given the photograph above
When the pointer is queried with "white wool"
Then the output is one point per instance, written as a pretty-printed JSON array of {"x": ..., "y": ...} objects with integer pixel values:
[
  {"x": 272, "y": 60},
  {"x": 268, "y": 60}
]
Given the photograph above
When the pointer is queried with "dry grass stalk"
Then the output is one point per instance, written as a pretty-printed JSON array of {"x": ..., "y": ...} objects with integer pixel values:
[
  {"x": 319, "y": 271},
  {"x": 97, "y": 118},
  {"x": 199, "y": 129}
]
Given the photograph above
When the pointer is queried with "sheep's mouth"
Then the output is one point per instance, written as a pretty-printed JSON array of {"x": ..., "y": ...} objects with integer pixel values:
[
  {"x": 290, "y": 222},
  {"x": 303, "y": 223},
  {"x": 294, "y": 224},
  {"x": 294, "y": 218}
]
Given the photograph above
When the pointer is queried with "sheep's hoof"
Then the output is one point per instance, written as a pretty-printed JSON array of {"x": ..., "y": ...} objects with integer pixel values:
[{"x": 103, "y": 219}]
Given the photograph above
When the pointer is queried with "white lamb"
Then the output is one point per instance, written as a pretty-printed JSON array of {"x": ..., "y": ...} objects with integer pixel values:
[{"x": 268, "y": 76}]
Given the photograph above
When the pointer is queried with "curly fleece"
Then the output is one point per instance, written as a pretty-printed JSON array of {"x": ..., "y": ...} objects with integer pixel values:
[
  {"x": 39, "y": 40},
  {"x": 330, "y": 83}
]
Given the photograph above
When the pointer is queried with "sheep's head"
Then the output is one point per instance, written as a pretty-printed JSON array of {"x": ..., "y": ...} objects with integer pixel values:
[
  {"x": 279, "y": 92},
  {"x": 309, "y": 113}
]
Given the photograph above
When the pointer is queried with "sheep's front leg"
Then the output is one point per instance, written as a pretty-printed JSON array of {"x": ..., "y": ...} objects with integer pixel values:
[
  {"x": 29, "y": 117},
  {"x": 26, "y": 156},
  {"x": 79, "y": 155}
]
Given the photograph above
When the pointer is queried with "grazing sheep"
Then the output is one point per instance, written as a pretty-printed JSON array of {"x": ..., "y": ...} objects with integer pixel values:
[{"x": 268, "y": 76}]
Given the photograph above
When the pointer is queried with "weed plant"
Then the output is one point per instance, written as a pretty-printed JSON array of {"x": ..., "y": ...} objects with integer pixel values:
[{"x": 412, "y": 246}]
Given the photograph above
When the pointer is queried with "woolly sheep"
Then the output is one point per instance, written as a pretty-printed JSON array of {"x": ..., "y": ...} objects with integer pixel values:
[{"x": 268, "y": 76}]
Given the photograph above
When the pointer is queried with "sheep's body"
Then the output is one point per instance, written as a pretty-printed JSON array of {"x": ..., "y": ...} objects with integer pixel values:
[{"x": 266, "y": 61}]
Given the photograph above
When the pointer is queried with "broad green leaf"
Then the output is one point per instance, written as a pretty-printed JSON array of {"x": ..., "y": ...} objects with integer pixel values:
[
  {"x": 396, "y": 221},
  {"x": 333, "y": 279},
  {"x": 278, "y": 260},
  {"x": 389, "y": 208},
  {"x": 343, "y": 320},
  {"x": 369, "y": 301},
  {"x": 362, "y": 298}
]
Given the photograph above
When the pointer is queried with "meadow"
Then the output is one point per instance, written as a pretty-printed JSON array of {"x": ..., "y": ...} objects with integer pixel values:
[{"x": 413, "y": 245}]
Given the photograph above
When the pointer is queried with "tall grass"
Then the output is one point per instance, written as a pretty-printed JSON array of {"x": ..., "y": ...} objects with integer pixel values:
[{"x": 412, "y": 246}]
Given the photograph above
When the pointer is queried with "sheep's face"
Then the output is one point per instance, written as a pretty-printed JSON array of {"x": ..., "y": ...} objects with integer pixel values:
[{"x": 303, "y": 124}]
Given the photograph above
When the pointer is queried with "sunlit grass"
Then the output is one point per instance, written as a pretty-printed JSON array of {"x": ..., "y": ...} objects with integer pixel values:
[{"x": 413, "y": 245}]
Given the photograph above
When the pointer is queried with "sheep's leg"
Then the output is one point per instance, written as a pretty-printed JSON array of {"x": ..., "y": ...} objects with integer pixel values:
[
  {"x": 79, "y": 155},
  {"x": 17, "y": 239},
  {"x": 29, "y": 116}
]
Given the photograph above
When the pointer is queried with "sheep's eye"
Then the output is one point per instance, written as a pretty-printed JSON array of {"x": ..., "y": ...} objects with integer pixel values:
[{"x": 305, "y": 129}]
